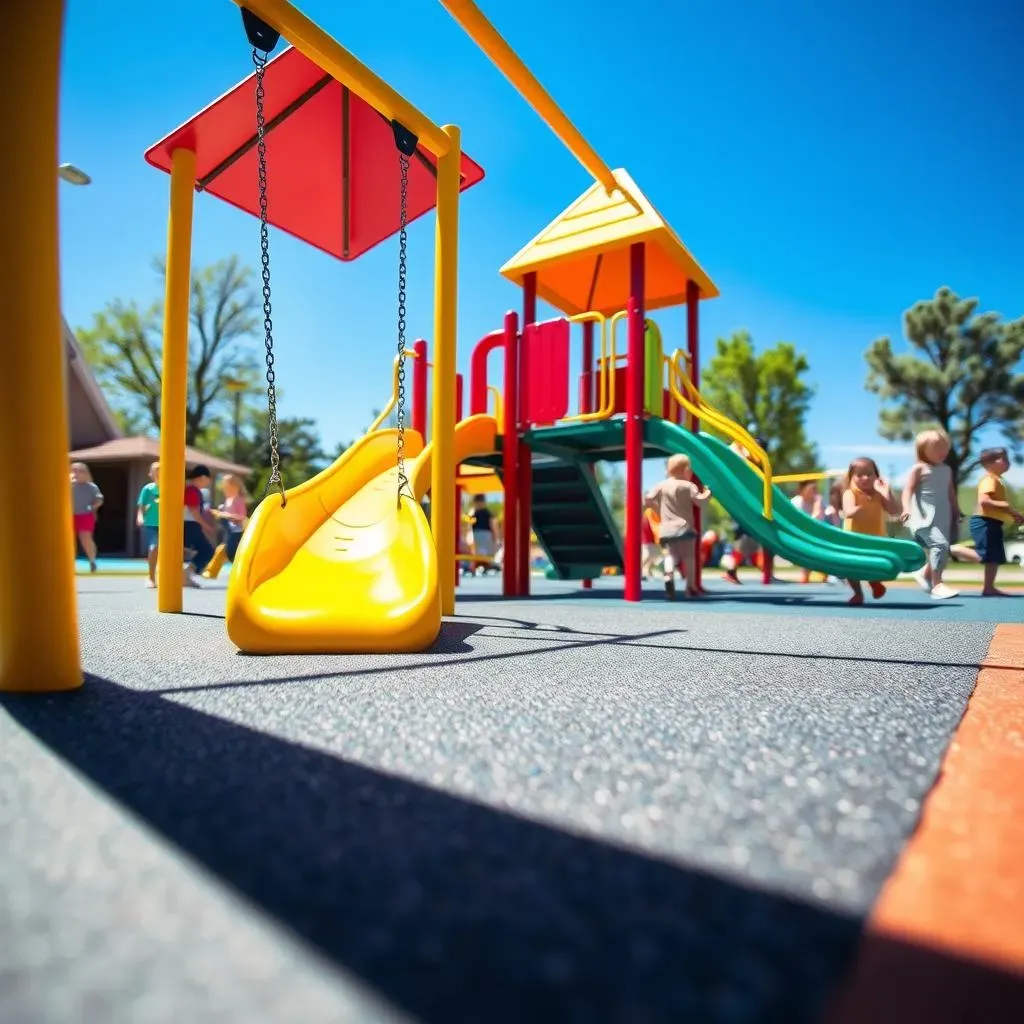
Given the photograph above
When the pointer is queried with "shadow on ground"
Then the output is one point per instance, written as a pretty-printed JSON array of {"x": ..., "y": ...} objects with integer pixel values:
[{"x": 453, "y": 911}]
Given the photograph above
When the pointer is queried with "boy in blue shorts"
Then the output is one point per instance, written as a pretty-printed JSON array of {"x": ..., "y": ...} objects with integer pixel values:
[
  {"x": 991, "y": 515},
  {"x": 147, "y": 516}
]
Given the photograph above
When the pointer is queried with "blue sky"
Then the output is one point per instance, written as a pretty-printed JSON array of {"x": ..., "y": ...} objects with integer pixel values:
[{"x": 828, "y": 167}]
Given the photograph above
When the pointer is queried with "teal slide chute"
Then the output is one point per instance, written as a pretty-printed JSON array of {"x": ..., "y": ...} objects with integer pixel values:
[{"x": 792, "y": 534}]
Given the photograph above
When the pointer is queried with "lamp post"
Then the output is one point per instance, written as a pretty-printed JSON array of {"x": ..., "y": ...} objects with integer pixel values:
[
  {"x": 237, "y": 388},
  {"x": 73, "y": 175}
]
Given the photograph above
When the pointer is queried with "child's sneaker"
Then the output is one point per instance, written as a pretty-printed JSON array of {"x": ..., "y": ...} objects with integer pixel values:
[
  {"x": 923, "y": 580},
  {"x": 941, "y": 592}
]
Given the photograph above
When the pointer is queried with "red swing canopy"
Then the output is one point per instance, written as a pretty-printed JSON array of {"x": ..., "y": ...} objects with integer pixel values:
[{"x": 333, "y": 177}]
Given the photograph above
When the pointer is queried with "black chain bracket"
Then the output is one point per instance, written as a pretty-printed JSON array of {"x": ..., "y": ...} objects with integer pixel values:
[{"x": 260, "y": 35}]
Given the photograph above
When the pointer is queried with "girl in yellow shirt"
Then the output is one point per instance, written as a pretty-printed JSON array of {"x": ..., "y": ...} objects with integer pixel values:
[{"x": 867, "y": 503}]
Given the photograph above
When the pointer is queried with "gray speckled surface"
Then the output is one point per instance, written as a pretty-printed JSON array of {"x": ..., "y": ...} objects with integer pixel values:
[{"x": 574, "y": 811}]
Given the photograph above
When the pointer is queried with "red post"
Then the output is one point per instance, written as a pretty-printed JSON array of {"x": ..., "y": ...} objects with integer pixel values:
[
  {"x": 587, "y": 390},
  {"x": 459, "y": 533},
  {"x": 419, "y": 388},
  {"x": 458, "y": 397},
  {"x": 635, "y": 422},
  {"x": 693, "y": 348},
  {"x": 524, "y": 458},
  {"x": 510, "y": 458}
]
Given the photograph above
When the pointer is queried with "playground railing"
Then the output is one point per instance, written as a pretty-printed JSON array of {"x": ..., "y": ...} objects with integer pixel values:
[
  {"x": 499, "y": 406},
  {"x": 393, "y": 401},
  {"x": 699, "y": 408},
  {"x": 605, "y": 371}
]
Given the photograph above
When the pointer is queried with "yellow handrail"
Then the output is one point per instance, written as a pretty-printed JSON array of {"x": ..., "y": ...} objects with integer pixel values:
[
  {"x": 670, "y": 369},
  {"x": 701, "y": 409},
  {"x": 499, "y": 406},
  {"x": 606, "y": 373},
  {"x": 375, "y": 425},
  {"x": 795, "y": 478}
]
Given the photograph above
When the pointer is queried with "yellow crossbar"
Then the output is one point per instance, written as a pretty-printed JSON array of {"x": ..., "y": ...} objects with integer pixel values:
[{"x": 327, "y": 53}]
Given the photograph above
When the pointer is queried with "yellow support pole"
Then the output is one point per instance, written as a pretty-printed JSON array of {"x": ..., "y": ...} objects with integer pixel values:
[
  {"x": 174, "y": 385},
  {"x": 508, "y": 62},
  {"x": 38, "y": 617},
  {"x": 308, "y": 38},
  {"x": 446, "y": 270}
]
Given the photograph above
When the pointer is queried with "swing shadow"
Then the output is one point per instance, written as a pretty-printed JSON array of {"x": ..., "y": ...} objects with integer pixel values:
[
  {"x": 657, "y": 599},
  {"x": 457, "y": 911}
]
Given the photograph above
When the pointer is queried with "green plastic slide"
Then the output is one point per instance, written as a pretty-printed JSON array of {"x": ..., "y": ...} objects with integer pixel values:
[{"x": 795, "y": 536}]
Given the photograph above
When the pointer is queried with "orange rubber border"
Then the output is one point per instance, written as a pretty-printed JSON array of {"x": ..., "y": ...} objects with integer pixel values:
[{"x": 945, "y": 940}]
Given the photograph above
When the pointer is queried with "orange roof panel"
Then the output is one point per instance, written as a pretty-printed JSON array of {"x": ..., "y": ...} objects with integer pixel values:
[{"x": 581, "y": 258}]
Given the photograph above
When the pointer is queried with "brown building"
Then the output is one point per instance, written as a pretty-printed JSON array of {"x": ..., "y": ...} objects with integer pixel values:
[{"x": 119, "y": 464}]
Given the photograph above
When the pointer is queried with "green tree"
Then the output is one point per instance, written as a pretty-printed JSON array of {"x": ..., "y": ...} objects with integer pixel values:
[
  {"x": 124, "y": 348},
  {"x": 765, "y": 392},
  {"x": 961, "y": 373},
  {"x": 613, "y": 487},
  {"x": 300, "y": 448}
]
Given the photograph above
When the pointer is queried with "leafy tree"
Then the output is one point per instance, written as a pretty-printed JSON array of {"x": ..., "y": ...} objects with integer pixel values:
[
  {"x": 613, "y": 488},
  {"x": 962, "y": 373},
  {"x": 766, "y": 393},
  {"x": 124, "y": 348}
]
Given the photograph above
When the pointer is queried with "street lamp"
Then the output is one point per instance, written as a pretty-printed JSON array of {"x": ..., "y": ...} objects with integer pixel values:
[
  {"x": 73, "y": 175},
  {"x": 237, "y": 388}
]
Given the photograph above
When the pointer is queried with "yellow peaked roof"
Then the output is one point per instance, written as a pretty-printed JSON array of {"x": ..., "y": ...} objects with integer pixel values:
[{"x": 582, "y": 257}]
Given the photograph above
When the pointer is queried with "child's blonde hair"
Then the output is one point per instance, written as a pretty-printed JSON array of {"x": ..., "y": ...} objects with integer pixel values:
[
  {"x": 926, "y": 438},
  {"x": 84, "y": 469},
  {"x": 231, "y": 478},
  {"x": 678, "y": 465}
]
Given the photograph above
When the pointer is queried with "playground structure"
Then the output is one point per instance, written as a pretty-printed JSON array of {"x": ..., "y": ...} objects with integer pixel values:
[{"x": 346, "y": 561}]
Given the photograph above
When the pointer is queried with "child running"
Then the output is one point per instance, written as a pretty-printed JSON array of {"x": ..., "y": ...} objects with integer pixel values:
[
  {"x": 147, "y": 517},
  {"x": 808, "y": 500},
  {"x": 990, "y": 517},
  {"x": 649, "y": 543},
  {"x": 233, "y": 513},
  {"x": 674, "y": 499},
  {"x": 931, "y": 509},
  {"x": 86, "y": 498},
  {"x": 867, "y": 500}
]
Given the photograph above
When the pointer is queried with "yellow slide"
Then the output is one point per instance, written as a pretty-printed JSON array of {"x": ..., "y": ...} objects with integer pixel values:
[{"x": 341, "y": 568}]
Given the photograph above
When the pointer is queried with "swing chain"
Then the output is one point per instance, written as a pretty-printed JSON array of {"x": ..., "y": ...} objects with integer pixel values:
[
  {"x": 403, "y": 480},
  {"x": 260, "y": 61}
]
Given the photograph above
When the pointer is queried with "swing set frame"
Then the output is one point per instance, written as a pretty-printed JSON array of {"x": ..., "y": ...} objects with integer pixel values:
[{"x": 39, "y": 640}]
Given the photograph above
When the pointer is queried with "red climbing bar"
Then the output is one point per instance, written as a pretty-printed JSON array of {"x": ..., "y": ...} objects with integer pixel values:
[
  {"x": 587, "y": 375},
  {"x": 634, "y": 422},
  {"x": 524, "y": 459},
  {"x": 693, "y": 348},
  {"x": 478, "y": 370},
  {"x": 419, "y": 388},
  {"x": 510, "y": 458}
]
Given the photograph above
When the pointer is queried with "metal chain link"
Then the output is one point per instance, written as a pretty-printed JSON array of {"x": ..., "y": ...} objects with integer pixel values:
[
  {"x": 260, "y": 61},
  {"x": 403, "y": 480}
]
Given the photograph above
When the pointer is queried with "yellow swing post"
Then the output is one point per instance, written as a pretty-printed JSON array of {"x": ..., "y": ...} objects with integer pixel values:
[
  {"x": 38, "y": 615},
  {"x": 174, "y": 382},
  {"x": 446, "y": 268}
]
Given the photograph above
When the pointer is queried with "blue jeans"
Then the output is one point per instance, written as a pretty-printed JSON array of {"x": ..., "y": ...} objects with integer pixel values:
[
  {"x": 196, "y": 540},
  {"x": 231, "y": 539}
]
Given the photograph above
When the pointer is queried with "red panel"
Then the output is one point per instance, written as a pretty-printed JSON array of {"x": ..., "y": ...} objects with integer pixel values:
[
  {"x": 307, "y": 190},
  {"x": 620, "y": 391},
  {"x": 547, "y": 393}
]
